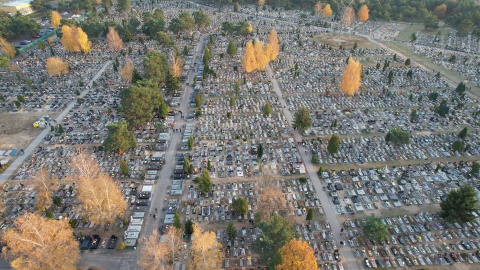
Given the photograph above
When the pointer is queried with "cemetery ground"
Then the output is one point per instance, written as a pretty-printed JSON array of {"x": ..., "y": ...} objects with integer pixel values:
[{"x": 16, "y": 128}]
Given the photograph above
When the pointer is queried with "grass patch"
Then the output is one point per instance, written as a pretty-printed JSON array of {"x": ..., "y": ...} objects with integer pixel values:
[{"x": 406, "y": 34}]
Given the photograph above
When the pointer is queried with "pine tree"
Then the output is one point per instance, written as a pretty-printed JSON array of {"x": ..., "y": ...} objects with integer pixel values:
[{"x": 231, "y": 49}]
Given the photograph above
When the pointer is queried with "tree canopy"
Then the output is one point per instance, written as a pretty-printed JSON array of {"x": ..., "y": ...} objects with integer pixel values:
[
  {"x": 459, "y": 205},
  {"x": 333, "y": 144},
  {"x": 375, "y": 229},
  {"x": 156, "y": 67},
  {"x": 240, "y": 205},
  {"x": 297, "y": 255},
  {"x": 204, "y": 181},
  {"x": 302, "y": 119},
  {"x": 119, "y": 138},
  {"x": 398, "y": 136}
]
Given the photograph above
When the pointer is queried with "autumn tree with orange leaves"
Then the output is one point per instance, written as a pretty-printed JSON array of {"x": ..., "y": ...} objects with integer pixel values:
[
  {"x": 273, "y": 47},
  {"x": 114, "y": 41},
  {"x": 7, "y": 48},
  {"x": 55, "y": 19},
  {"x": 100, "y": 197},
  {"x": 351, "y": 78},
  {"x": 36, "y": 243},
  {"x": 270, "y": 201},
  {"x": 297, "y": 255},
  {"x": 206, "y": 252},
  {"x": 258, "y": 55},
  {"x": 249, "y": 61},
  {"x": 44, "y": 186},
  {"x": 176, "y": 66},
  {"x": 440, "y": 10},
  {"x": 363, "y": 13},
  {"x": 127, "y": 70},
  {"x": 161, "y": 255},
  {"x": 327, "y": 11},
  {"x": 75, "y": 40},
  {"x": 56, "y": 66}
]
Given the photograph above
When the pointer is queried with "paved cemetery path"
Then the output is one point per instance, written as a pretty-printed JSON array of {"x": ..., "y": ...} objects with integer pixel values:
[
  {"x": 29, "y": 150},
  {"x": 348, "y": 258},
  {"x": 127, "y": 259}
]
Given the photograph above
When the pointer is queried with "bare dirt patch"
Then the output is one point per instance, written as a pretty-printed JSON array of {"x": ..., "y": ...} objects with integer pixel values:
[
  {"x": 16, "y": 129},
  {"x": 346, "y": 41}
]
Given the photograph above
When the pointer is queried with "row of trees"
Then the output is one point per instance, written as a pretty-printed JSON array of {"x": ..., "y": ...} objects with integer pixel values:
[
  {"x": 38, "y": 242},
  {"x": 258, "y": 55}
]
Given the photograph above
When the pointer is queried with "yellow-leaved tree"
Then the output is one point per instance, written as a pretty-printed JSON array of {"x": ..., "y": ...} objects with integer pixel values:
[
  {"x": 261, "y": 2},
  {"x": 75, "y": 40},
  {"x": 363, "y": 13},
  {"x": 250, "y": 28},
  {"x": 176, "y": 66},
  {"x": 37, "y": 243},
  {"x": 55, "y": 66},
  {"x": 249, "y": 61},
  {"x": 55, "y": 19},
  {"x": 44, "y": 186},
  {"x": 206, "y": 252},
  {"x": 273, "y": 46},
  {"x": 7, "y": 48},
  {"x": 127, "y": 70},
  {"x": 114, "y": 41},
  {"x": 260, "y": 55},
  {"x": 348, "y": 15},
  {"x": 440, "y": 10},
  {"x": 98, "y": 194},
  {"x": 297, "y": 255},
  {"x": 327, "y": 11},
  {"x": 162, "y": 255},
  {"x": 82, "y": 39},
  {"x": 351, "y": 78}
]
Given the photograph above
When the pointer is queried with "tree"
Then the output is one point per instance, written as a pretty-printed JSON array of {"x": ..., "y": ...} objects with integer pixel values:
[
  {"x": 206, "y": 252},
  {"x": 44, "y": 186},
  {"x": 114, "y": 42},
  {"x": 153, "y": 255},
  {"x": 276, "y": 232},
  {"x": 351, "y": 78},
  {"x": 176, "y": 66},
  {"x": 271, "y": 202},
  {"x": 101, "y": 199},
  {"x": 259, "y": 151},
  {"x": 261, "y": 57},
  {"x": 156, "y": 66},
  {"x": 138, "y": 102},
  {"x": 240, "y": 205},
  {"x": 363, "y": 13},
  {"x": 333, "y": 144},
  {"x": 302, "y": 119},
  {"x": 407, "y": 62},
  {"x": 440, "y": 11},
  {"x": 261, "y": 2},
  {"x": 7, "y": 48},
  {"x": 38, "y": 243},
  {"x": 318, "y": 7},
  {"x": 297, "y": 255},
  {"x": 176, "y": 221},
  {"x": 431, "y": 22},
  {"x": 188, "y": 227},
  {"x": 4, "y": 62},
  {"x": 414, "y": 116},
  {"x": 443, "y": 109},
  {"x": 348, "y": 15},
  {"x": 267, "y": 109},
  {"x": 124, "y": 5},
  {"x": 119, "y": 138},
  {"x": 127, "y": 70},
  {"x": 475, "y": 168},
  {"x": 249, "y": 60},
  {"x": 55, "y": 66},
  {"x": 190, "y": 142},
  {"x": 327, "y": 11},
  {"x": 465, "y": 26},
  {"x": 202, "y": 20},
  {"x": 83, "y": 42},
  {"x": 204, "y": 182},
  {"x": 231, "y": 231},
  {"x": 231, "y": 49},
  {"x": 273, "y": 47},
  {"x": 236, "y": 7},
  {"x": 75, "y": 40},
  {"x": 461, "y": 87},
  {"x": 390, "y": 77},
  {"x": 310, "y": 214},
  {"x": 184, "y": 23},
  {"x": 397, "y": 136},
  {"x": 375, "y": 229},
  {"x": 463, "y": 133},
  {"x": 459, "y": 205},
  {"x": 124, "y": 169},
  {"x": 55, "y": 18},
  {"x": 457, "y": 146}
]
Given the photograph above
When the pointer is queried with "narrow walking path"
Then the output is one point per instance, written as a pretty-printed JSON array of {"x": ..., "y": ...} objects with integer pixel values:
[
  {"x": 39, "y": 139},
  {"x": 349, "y": 260}
]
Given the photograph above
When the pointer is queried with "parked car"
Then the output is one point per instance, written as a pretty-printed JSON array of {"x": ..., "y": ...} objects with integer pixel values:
[
  {"x": 35, "y": 36},
  {"x": 25, "y": 42}
]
